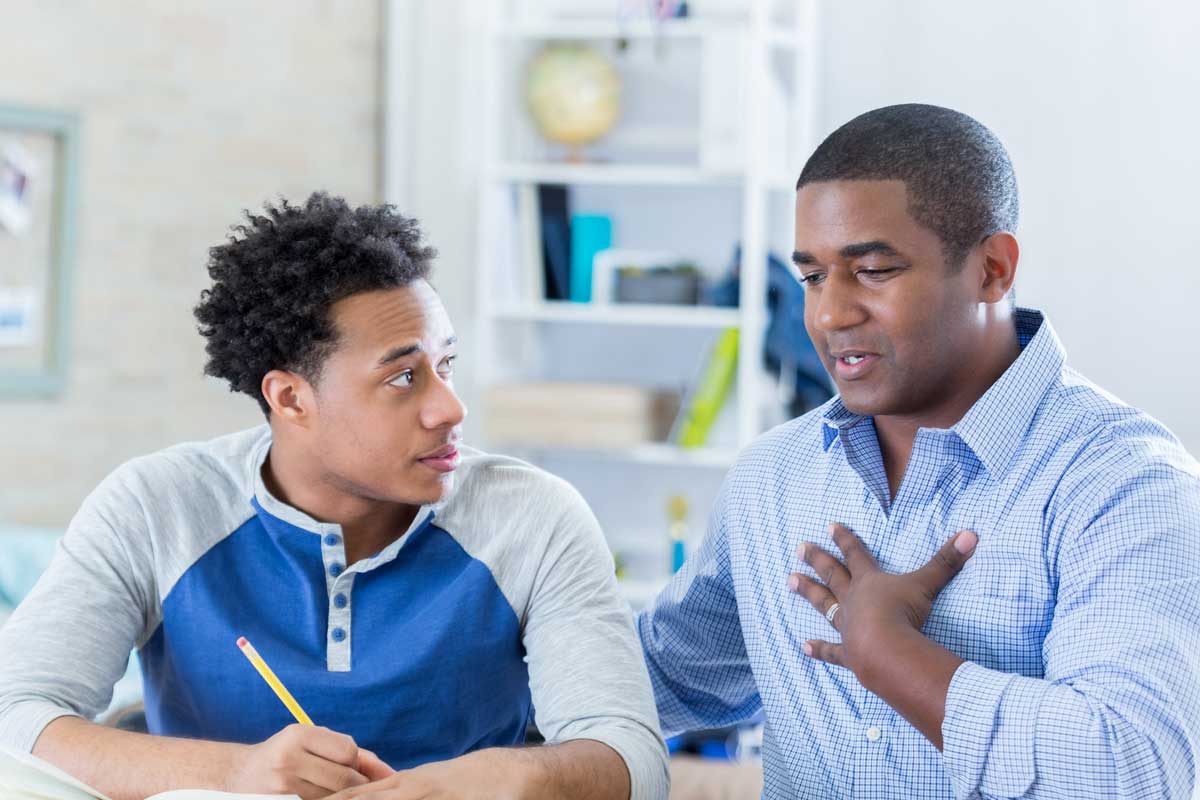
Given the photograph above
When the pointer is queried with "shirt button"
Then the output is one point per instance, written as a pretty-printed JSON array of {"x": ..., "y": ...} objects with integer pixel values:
[
  {"x": 335, "y": 569},
  {"x": 339, "y": 600},
  {"x": 872, "y": 733},
  {"x": 338, "y": 635},
  {"x": 332, "y": 539}
]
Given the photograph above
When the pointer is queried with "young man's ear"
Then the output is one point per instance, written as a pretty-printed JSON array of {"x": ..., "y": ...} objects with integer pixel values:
[
  {"x": 289, "y": 395},
  {"x": 1000, "y": 255}
]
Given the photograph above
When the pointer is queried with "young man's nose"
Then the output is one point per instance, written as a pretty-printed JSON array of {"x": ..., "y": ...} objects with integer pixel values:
[{"x": 442, "y": 408}]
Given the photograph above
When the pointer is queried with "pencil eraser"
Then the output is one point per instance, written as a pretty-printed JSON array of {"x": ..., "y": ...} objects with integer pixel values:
[{"x": 241, "y": 641}]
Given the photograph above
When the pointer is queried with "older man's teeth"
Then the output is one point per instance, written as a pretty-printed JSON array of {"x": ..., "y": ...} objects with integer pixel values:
[{"x": 854, "y": 359}]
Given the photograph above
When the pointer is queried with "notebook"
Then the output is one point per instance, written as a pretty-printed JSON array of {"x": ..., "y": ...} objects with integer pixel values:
[{"x": 27, "y": 777}]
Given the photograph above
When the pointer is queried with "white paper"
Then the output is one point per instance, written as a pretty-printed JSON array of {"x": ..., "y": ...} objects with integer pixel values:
[{"x": 19, "y": 307}]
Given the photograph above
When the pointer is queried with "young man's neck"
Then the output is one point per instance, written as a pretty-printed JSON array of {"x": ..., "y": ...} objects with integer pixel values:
[
  {"x": 368, "y": 526},
  {"x": 898, "y": 432}
]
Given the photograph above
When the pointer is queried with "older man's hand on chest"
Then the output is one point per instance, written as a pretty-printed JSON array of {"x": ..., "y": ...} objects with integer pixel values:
[{"x": 870, "y": 608}]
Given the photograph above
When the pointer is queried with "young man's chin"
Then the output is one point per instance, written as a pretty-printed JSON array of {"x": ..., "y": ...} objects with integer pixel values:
[{"x": 431, "y": 490}]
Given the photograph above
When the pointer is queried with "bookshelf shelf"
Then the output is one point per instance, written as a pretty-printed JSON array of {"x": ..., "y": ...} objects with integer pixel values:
[
  {"x": 660, "y": 454},
  {"x": 622, "y": 314},
  {"x": 614, "y": 174},
  {"x": 593, "y": 29}
]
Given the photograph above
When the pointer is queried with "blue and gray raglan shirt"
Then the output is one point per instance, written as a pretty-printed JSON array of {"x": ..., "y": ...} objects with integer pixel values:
[{"x": 497, "y": 607}]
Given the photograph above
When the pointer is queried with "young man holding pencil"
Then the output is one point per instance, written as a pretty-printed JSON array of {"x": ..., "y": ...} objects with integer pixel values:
[{"x": 416, "y": 599}]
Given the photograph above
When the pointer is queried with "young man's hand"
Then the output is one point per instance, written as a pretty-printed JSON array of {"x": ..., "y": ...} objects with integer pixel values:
[
  {"x": 873, "y": 606},
  {"x": 307, "y": 761}
]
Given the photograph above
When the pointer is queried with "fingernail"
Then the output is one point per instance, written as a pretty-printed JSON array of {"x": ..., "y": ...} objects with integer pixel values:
[
  {"x": 965, "y": 542},
  {"x": 802, "y": 550},
  {"x": 794, "y": 583},
  {"x": 807, "y": 648},
  {"x": 832, "y": 528}
]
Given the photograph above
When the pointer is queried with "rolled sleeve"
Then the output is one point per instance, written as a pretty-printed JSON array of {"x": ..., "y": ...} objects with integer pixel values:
[
  {"x": 23, "y": 722},
  {"x": 1116, "y": 712},
  {"x": 988, "y": 733}
]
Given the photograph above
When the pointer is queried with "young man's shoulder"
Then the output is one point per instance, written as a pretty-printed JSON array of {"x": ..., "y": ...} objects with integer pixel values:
[
  {"x": 509, "y": 491},
  {"x": 211, "y": 478},
  {"x": 524, "y": 524}
]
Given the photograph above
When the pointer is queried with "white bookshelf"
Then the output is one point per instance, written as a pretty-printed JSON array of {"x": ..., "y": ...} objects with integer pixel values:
[
  {"x": 614, "y": 174},
  {"x": 649, "y": 454},
  {"x": 770, "y": 47},
  {"x": 625, "y": 314},
  {"x": 762, "y": 28}
]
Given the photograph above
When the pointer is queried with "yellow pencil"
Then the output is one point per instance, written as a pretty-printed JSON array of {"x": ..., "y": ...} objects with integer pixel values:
[{"x": 276, "y": 685}]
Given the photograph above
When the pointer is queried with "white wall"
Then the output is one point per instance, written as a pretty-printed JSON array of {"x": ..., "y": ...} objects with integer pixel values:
[
  {"x": 1097, "y": 104},
  {"x": 1096, "y": 101}
]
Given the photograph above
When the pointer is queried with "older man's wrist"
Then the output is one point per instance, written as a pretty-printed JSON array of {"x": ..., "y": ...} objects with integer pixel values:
[{"x": 890, "y": 654}]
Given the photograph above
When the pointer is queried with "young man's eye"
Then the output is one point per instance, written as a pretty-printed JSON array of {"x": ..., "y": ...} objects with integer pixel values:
[
  {"x": 812, "y": 278},
  {"x": 403, "y": 380},
  {"x": 447, "y": 365}
]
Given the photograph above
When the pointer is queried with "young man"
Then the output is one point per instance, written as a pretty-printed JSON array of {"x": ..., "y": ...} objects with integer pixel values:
[
  {"x": 418, "y": 598},
  {"x": 1062, "y": 661}
]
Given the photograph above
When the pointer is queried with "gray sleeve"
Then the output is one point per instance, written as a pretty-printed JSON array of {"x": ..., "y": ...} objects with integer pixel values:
[
  {"x": 586, "y": 673},
  {"x": 69, "y": 641}
]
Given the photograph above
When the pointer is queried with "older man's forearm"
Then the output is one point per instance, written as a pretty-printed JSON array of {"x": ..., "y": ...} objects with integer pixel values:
[{"x": 1011, "y": 735}]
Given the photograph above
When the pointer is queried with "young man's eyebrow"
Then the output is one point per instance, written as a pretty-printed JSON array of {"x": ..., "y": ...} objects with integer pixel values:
[{"x": 397, "y": 353}]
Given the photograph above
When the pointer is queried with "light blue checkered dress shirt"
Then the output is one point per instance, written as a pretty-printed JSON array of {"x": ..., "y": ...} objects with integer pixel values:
[{"x": 1078, "y": 615}]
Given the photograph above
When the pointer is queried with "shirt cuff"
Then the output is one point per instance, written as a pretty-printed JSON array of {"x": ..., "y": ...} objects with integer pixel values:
[
  {"x": 989, "y": 731},
  {"x": 22, "y": 723}
]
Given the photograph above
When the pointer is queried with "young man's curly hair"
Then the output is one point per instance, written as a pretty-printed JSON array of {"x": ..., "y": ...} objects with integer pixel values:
[{"x": 279, "y": 274}]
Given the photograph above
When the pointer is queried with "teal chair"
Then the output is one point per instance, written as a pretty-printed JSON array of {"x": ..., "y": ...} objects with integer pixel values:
[{"x": 25, "y": 552}]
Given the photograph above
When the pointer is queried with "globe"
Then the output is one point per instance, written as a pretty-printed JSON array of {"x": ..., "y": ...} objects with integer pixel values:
[{"x": 574, "y": 94}]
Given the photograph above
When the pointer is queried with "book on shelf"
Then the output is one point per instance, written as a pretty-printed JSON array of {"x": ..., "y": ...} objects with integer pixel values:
[
  {"x": 24, "y": 776},
  {"x": 555, "y": 215},
  {"x": 584, "y": 415},
  {"x": 528, "y": 230},
  {"x": 704, "y": 402},
  {"x": 590, "y": 234}
]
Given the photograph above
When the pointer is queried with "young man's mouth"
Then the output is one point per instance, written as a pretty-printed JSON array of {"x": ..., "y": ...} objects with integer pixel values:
[{"x": 444, "y": 459}]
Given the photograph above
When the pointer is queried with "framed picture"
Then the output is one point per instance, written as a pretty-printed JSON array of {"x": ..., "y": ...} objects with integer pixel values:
[{"x": 39, "y": 177}]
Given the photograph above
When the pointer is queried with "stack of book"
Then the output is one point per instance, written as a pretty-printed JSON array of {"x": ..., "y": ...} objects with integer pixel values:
[{"x": 584, "y": 415}]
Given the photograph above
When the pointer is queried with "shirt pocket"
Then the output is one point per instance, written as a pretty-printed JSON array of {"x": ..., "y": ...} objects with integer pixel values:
[{"x": 996, "y": 612}]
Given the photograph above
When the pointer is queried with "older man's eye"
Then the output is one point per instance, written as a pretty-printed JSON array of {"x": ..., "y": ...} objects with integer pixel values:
[
  {"x": 877, "y": 273},
  {"x": 447, "y": 366}
]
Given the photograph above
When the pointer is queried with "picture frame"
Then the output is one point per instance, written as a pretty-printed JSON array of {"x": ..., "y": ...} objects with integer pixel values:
[{"x": 39, "y": 186}]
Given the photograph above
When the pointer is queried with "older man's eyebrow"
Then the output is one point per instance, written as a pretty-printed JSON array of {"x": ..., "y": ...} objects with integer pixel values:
[
  {"x": 856, "y": 250},
  {"x": 861, "y": 249},
  {"x": 397, "y": 353}
]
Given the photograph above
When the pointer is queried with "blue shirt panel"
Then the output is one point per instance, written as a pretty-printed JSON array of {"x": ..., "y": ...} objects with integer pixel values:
[{"x": 438, "y": 666}]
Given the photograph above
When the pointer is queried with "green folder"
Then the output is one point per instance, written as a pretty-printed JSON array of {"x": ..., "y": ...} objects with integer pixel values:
[{"x": 711, "y": 392}]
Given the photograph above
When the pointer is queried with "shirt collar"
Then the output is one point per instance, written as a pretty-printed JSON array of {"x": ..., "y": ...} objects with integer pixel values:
[{"x": 994, "y": 427}]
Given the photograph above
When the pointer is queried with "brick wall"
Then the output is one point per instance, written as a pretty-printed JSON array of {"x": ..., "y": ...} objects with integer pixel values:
[{"x": 192, "y": 110}]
